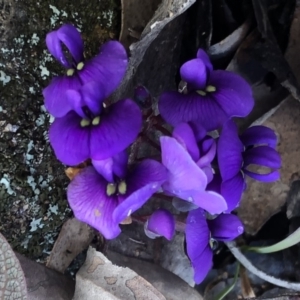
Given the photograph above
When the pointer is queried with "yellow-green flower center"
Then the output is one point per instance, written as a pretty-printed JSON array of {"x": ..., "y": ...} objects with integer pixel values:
[
  {"x": 201, "y": 93},
  {"x": 80, "y": 66},
  {"x": 85, "y": 122},
  {"x": 210, "y": 89},
  {"x": 70, "y": 72},
  {"x": 96, "y": 121},
  {"x": 122, "y": 187},
  {"x": 111, "y": 189}
]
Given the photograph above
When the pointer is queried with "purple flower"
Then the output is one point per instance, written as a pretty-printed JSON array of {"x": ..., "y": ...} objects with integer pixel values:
[
  {"x": 235, "y": 154},
  {"x": 200, "y": 235},
  {"x": 107, "y": 68},
  {"x": 211, "y": 97},
  {"x": 103, "y": 203},
  {"x": 160, "y": 223},
  {"x": 188, "y": 168},
  {"x": 91, "y": 130}
]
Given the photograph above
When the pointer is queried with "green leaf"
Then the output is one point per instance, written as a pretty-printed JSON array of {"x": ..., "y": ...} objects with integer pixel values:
[
  {"x": 229, "y": 288},
  {"x": 290, "y": 241}
]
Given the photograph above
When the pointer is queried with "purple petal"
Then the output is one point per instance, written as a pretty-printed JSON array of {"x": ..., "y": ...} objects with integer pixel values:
[
  {"x": 184, "y": 134},
  {"x": 54, "y": 47},
  {"x": 197, "y": 233},
  {"x": 273, "y": 176},
  {"x": 105, "y": 168},
  {"x": 118, "y": 128},
  {"x": 211, "y": 201},
  {"x": 215, "y": 184},
  {"x": 229, "y": 151},
  {"x": 120, "y": 164},
  {"x": 93, "y": 96},
  {"x": 76, "y": 102},
  {"x": 201, "y": 54},
  {"x": 208, "y": 153},
  {"x": 70, "y": 36},
  {"x": 208, "y": 172},
  {"x": 199, "y": 131},
  {"x": 115, "y": 165},
  {"x": 142, "y": 183},
  {"x": 258, "y": 135},
  {"x": 197, "y": 243},
  {"x": 56, "y": 101},
  {"x": 232, "y": 190},
  {"x": 263, "y": 156},
  {"x": 225, "y": 227},
  {"x": 88, "y": 199},
  {"x": 202, "y": 265},
  {"x": 69, "y": 140},
  {"x": 233, "y": 93},
  {"x": 184, "y": 176},
  {"x": 162, "y": 223},
  {"x": 108, "y": 67},
  {"x": 176, "y": 108},
  {"x": 194, "y": 73}
]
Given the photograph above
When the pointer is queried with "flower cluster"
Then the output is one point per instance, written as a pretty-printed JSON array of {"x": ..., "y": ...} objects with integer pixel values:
[{"x": 202, "y": 175}]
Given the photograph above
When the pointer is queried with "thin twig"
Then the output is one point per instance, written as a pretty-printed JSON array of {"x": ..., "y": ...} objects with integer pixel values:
[{"x": 249, "y": 266}]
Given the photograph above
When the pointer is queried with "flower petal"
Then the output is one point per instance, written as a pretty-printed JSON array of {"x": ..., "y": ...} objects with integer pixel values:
[
  {"x": 199, "y": 131},
  {"x": 76, "y": 102},
  {"x": 201, "y": 54},
  {"x": 211, "y": 201},
  {"x": 258, "y": 135},
  {"x": 93, "y": 96},
  {"x": 70, "y": 36},
  {"x": 115, "y": 165},
  {"x": 233, "y": 93},
  {"x": 55, "y": 48},
  {"x": 197, "y": 243},
  {"x": 184, "y": 176},
  {"x": 226, "y": 227},
  {"x": 273, "y": 176},
  {"x": 197, "y": 233},
  {"x": 69, "y": 140},
  {"x": 263, "y": 156},
  {"x": 108, "y": 67},
  {"x": 118, "y": 128},
  {"x": 176, "y": 108},
  {"x": 202, "y": 265},
  {"x": 105, "y": 168},
  {"x": 194, "y": 73},
  {"x": 162, "y": 222},
  {"x": 88, "y": 199},
  {"x": 208, "y": 152},
  {"x": 229, "y": 151},
  {"x": 142, "y": 183},
  {"x": 232, "y": 190},
  {"x": 184, "y": 134},
  {"x": 56, "y": 101}
]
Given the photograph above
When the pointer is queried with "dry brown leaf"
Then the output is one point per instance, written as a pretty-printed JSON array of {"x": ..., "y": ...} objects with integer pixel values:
[
  {"x": 99, "y": 279},
  {"x": 73, "y": 238}
]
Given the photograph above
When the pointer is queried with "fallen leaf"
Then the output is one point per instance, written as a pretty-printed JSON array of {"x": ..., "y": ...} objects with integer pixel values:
[
  {"x": 12, "y": 279},
  {"x": 73, "y": 238},
  {"x": 135, "y": 16},
  {"x": 44, "y": 283},
  {"x": 170, "y": 285},
  {"x": 98, "y": 279}
]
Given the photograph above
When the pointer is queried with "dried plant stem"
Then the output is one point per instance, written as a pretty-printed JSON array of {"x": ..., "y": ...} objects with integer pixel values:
[{"x": 249, "y": 266}]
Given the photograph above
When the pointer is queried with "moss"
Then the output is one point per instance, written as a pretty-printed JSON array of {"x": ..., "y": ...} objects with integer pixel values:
[{"x": 33, "y": 202}]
